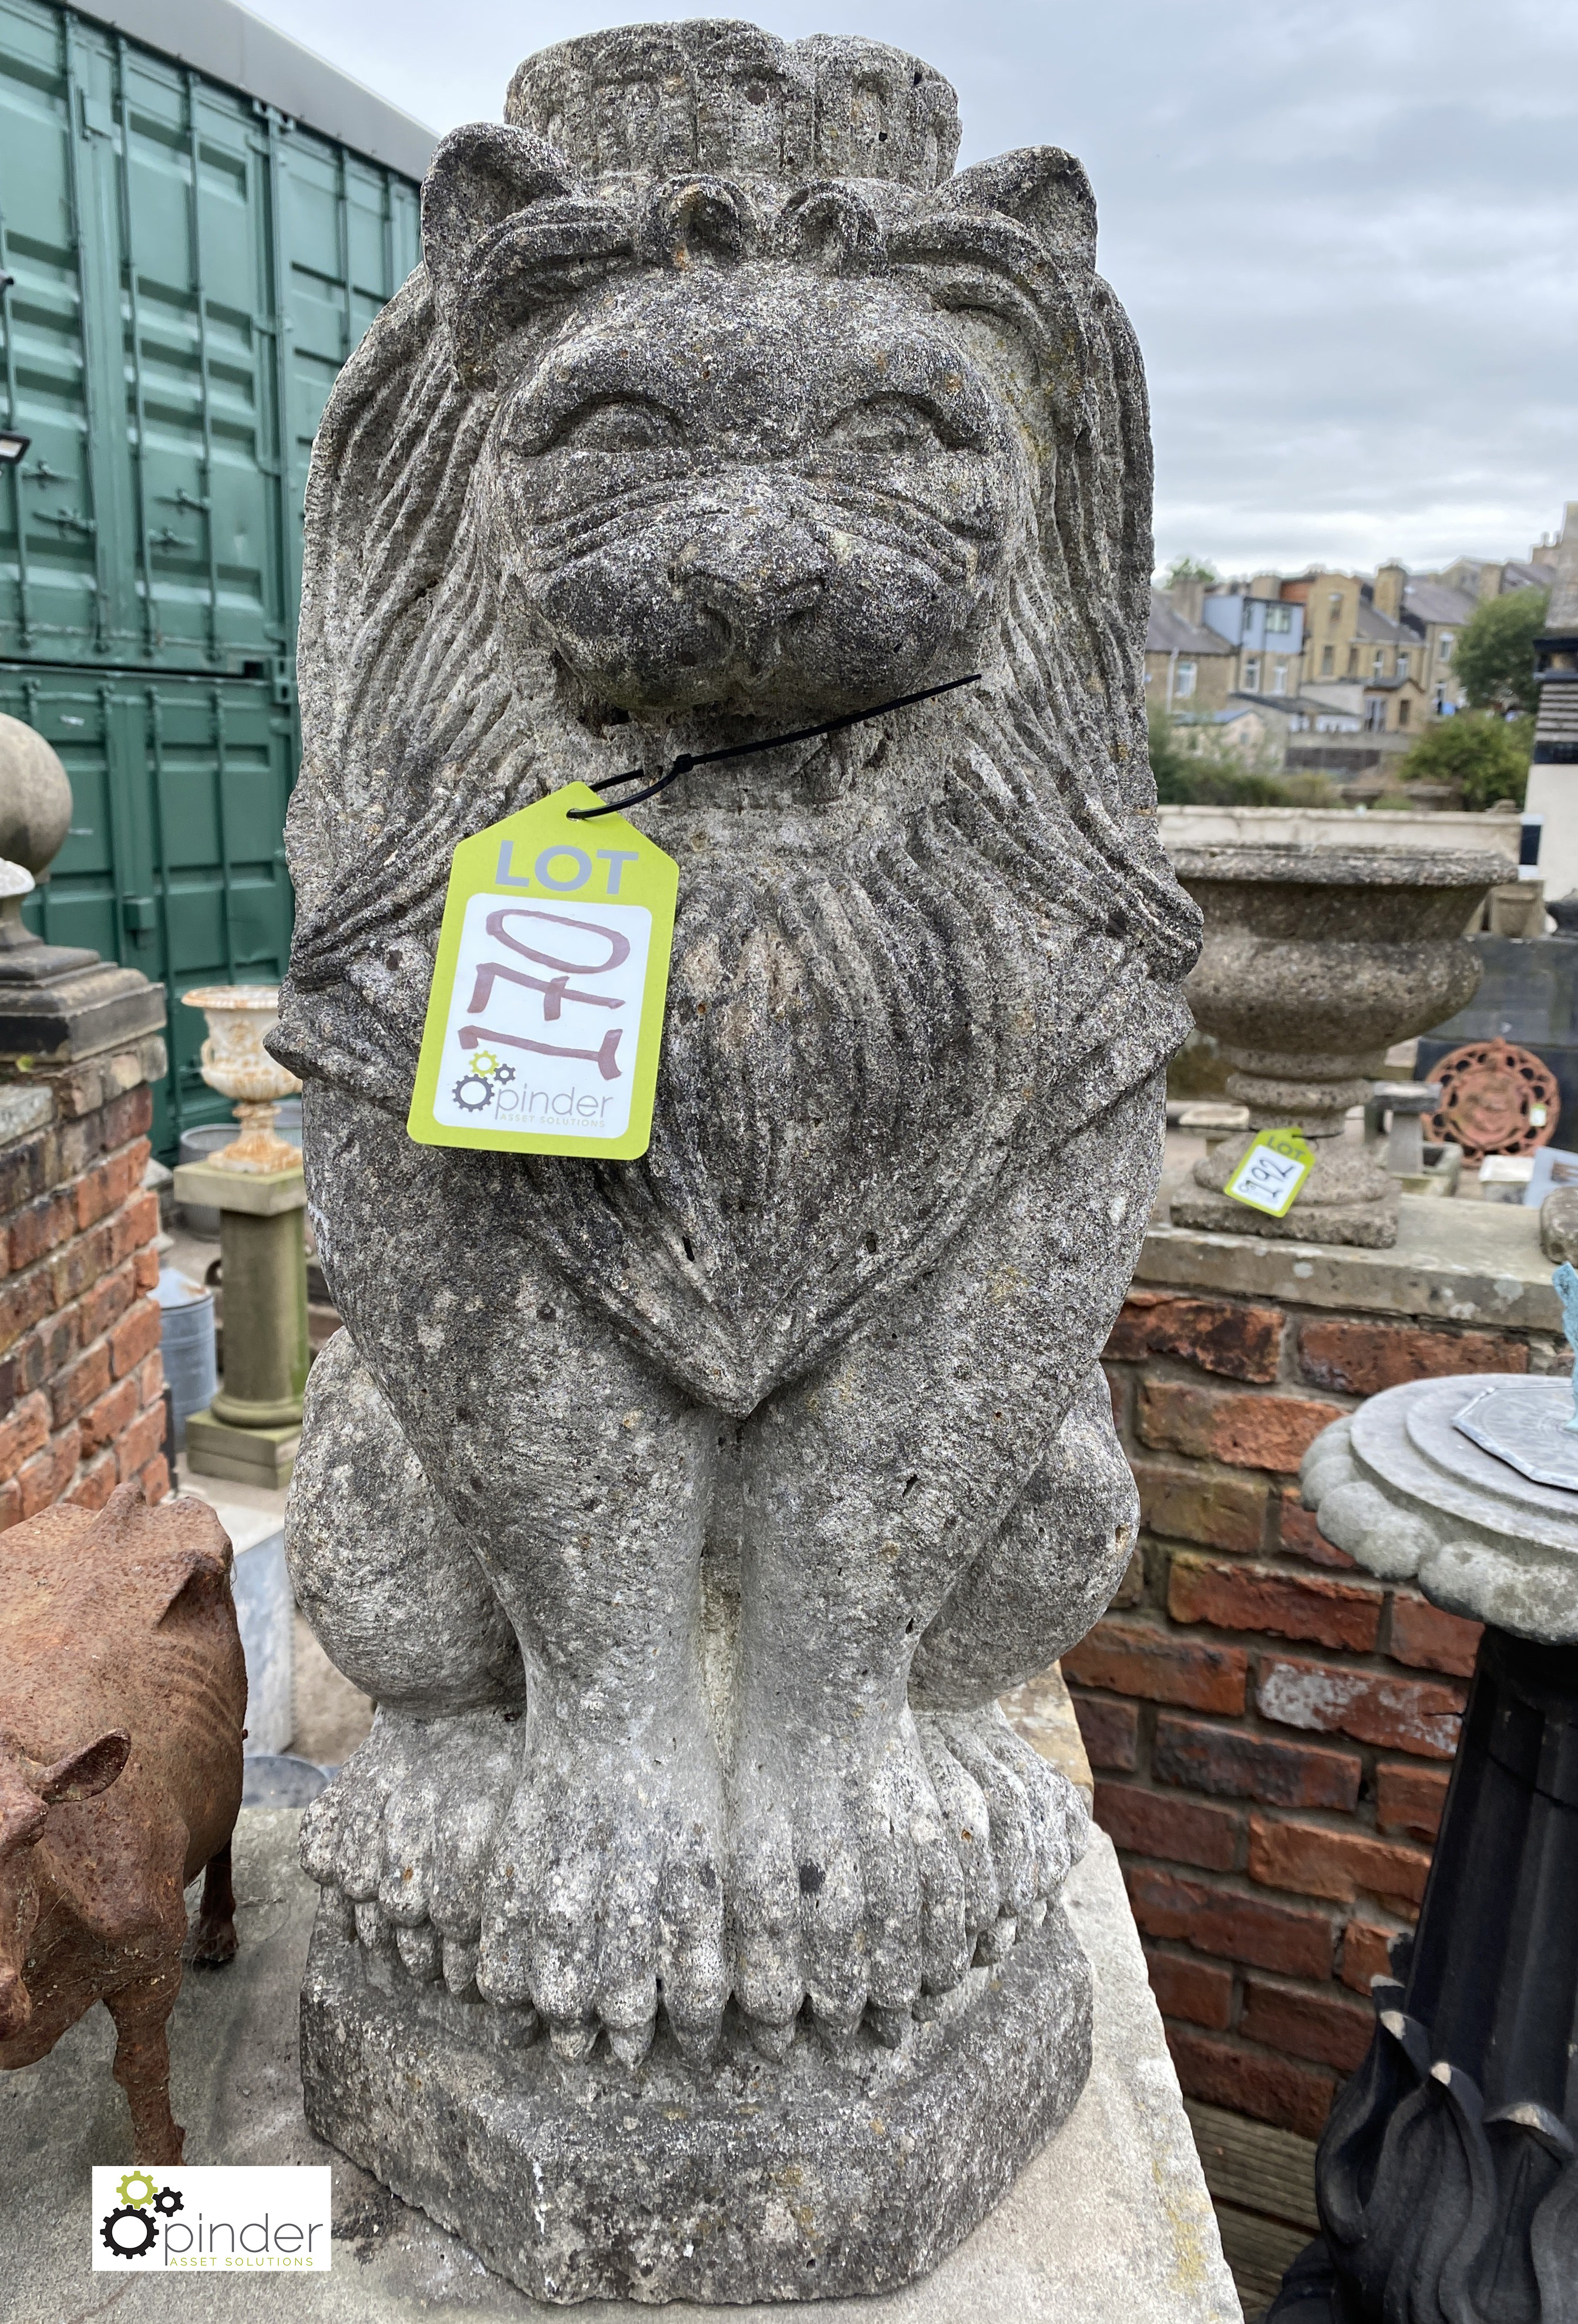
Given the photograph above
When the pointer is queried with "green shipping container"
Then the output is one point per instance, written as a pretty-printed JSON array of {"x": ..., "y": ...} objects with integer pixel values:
[{"x": 190, "y": 265}]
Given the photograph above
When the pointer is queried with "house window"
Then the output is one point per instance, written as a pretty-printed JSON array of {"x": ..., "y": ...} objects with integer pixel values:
[
  {"x": 1375, "y": 716},
  {"x": 1280, "y": 617},
  {"x": 1328, "y": 660},
  {"x": 1379, "y": 661},
  {"x": 1402, "y": 665},
  {"x": 1279, "y": 679},
  {"x": 1184, "y": 686},
  {"x": 1402, "y": 713},
  {"x": 1251, "y": 673},
  {"x": 1444, "y": 646},
  {"x": 1334, "y": 607},
  {"x": 1352, "y": 661}
]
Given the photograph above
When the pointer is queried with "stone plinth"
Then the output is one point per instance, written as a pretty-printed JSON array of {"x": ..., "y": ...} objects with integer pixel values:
[
  {"x": 1108, "y": 2224},
  {"x": 250, "y": 1432}
]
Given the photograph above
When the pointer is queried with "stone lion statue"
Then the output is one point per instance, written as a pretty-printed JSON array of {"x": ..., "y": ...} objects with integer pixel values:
[{"x": 686, "y": 1517}]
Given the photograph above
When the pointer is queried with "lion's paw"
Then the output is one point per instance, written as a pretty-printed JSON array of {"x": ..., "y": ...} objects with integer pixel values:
[
  {"x": 605, "y": 1897},
  {"x": 405, "y": 1833},
  {"x": 1016, "y": 1823}
]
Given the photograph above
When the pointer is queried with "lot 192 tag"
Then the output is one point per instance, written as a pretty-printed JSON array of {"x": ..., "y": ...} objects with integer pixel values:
[
  {"x": 545, "y": 1018},
  {"x": 1272, "y": 1172}
]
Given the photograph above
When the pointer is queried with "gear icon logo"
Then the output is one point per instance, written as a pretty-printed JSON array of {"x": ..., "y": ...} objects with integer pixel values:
[
  {"x": 168, "y": 2201},
  {"x": 504, "y": 1075},
  {"x": 130, "y": 2231},
  {"x": 485, "y": 1063},
  {"x": 136, "y": 2189},
  {"x": 472, "y": 1092}
]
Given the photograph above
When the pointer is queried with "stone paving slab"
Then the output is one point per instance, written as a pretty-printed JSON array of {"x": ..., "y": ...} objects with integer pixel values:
[{"x": 1111, "y": 2224}]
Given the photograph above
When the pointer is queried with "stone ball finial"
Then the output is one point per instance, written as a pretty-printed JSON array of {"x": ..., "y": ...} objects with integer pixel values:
[
  {"x": 35, "y": 798},
  {"x": 655, "y": 100}
]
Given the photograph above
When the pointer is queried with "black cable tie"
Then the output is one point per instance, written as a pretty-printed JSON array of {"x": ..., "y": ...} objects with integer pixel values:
[{"x": 688, "y": 760}]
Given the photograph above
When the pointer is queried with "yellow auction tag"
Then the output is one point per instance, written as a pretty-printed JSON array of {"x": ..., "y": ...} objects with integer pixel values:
[
  {"x": 546, "y": 1014},
  {"x": 1272, "y": 1172}
]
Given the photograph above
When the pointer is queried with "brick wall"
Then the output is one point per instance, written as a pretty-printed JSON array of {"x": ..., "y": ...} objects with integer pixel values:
[
  {"x": 81, "y": 1381},
  {"x": 1270, "y": 1729}
]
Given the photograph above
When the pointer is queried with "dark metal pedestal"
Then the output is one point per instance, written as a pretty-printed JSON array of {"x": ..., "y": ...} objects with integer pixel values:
[{"x": 1446, "y": 2179}]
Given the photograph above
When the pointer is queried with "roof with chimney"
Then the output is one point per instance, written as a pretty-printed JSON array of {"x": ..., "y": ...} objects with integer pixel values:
[{"x": 1168, "y": 632}]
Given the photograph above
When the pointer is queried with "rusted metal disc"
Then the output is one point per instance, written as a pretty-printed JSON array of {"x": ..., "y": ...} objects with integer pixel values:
[{"x": 1495, "y": 1098}]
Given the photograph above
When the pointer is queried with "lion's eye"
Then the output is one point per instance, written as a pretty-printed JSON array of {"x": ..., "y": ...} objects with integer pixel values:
[
  {"x": 889, "y": 425},
  {"x": 619, "y": 424}
]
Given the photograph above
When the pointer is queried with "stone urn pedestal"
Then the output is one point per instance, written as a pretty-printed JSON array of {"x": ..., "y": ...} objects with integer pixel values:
[{"x": 1315, "y": 961}]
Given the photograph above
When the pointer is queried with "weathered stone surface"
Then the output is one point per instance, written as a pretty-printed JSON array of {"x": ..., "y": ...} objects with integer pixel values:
[
  {"x": 1110, "y": 2223},
  {"x": 746, "y": 2181},
  {"x": 780, "y": 1452}
]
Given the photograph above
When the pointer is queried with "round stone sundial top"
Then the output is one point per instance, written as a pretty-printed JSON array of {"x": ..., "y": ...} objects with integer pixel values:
[{"x": 1412, "y": 1493}]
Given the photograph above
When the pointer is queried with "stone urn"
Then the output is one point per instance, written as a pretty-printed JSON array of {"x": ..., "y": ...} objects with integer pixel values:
[
  {"x": 236, "y": 1063},
  {"x": 1316, "y": 960}
]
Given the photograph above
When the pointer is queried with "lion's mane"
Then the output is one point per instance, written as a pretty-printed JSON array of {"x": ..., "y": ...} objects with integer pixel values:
[{"x": 862, "y": 1039}]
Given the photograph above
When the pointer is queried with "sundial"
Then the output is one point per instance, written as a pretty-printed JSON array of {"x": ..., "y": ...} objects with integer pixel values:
[{"x": 1527, "y": 1424}]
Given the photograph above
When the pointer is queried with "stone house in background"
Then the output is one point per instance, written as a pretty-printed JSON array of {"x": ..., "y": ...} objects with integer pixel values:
[{"x": 1189, "y": 669}]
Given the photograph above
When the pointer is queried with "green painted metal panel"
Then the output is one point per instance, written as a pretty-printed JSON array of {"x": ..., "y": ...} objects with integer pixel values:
[
  {"x": 190, "y": 272},
  {"x": 175, "y": 862}
]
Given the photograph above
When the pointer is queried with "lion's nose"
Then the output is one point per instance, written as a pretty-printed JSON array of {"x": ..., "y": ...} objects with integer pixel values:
[{"x": 755, "y": 576}]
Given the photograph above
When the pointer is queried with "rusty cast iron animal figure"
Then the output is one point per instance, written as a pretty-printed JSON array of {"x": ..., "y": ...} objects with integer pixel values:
[{"x": 123, "y": 1695}]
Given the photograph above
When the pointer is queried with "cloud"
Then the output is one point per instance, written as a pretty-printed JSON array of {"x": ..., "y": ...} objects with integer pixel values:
[{"x": 1348, "y": 238}]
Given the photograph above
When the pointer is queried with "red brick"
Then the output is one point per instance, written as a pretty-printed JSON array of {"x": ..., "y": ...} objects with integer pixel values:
[
  {"x": 78, "y": 1264},
  {"x": 73, "y": 1390},
  {"x": 1180, "y": 1831},
  {"x": 24, "y": 1300},
  {"x": 1422, "y": 1634},
  {"x": 95, "y": 1485},
  {"x": 134, "y": 1337},
  {"x": 151, "y": 1378},
  {"x": 1239, "y": 1342},
  {"x": 22, "y": 1432},
  {"x": 1237, "y": 1763},
  {"x": 45, "y": 1351},
  {"x": 1365, "y": 1358},
  {"x": 1200, "y": 1991},
  {"x": 24, "y": 1170},
  {"x": 46, "y": 1476},
  {"x": 1192, "y": 1505},
  {"x": 1138, "y": 1659},
  {"x": 1247, "y": 2081},
  {"x": 41, "y": 1227},
  {"x": 1400, "y": 1714},
  {"x": 110, "y": 1418},
  {"x": 1303, "y": 2024},
  {"x": 142, "y": 1442},
  {"x": 1130, "y": 1590},
  {"x": 155, "y": 1481},
  {"x": 1409, "y": 1798},
  {"x": 1365, "y": 1953},
  {"x": 1234, "y": 1596},
  {"x": 133, "y": 1228},
  {"x": 145, "y": 1265},
  {"x": 91, "y": 1196},
  {"x": 1300, "y": 1535},
  {"x": 1225, "y": 1922},
  {"x": 108, "y": 1301},
  {"x": 127, "y": 1117},
  {"x": 1314, "y": 1860},
  {"x": 1109, "y": 1729},
  {"x": 1245, "y": 1430}
]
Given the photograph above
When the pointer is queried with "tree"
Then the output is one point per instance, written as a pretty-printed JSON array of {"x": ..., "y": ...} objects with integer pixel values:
[
  {"x": 1494, "y": 660},
  {"x": 1195, "y": 767},
  {"x": 1486, "y": 757},
  {"x": 1191, "y": 568}
]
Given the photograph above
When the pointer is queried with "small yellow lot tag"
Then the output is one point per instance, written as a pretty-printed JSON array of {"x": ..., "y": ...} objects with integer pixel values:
[
  {"x": 545, "y": 1018},
  {"x": 1272, "y": 1172}
]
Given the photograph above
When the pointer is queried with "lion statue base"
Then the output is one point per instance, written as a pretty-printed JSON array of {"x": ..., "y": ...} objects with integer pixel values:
[{"x": 691, "y": 1918}]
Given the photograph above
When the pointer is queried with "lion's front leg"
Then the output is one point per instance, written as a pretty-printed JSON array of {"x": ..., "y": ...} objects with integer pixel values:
[
  {"x": 875, "y": 1850},
  {"x": 581, "y": 1478}
]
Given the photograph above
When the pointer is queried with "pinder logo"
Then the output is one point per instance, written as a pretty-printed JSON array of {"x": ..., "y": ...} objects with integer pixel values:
[{"x": 213, "y": 2217}]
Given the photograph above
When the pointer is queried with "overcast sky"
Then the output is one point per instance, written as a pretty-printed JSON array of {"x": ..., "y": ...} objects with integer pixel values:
[{"x": 1347, "y": 231}]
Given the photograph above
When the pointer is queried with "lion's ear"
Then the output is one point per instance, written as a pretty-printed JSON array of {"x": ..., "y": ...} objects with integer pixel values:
[
  {"x": 1042, "y": 189},
  {"x": 504, "y": 222}
]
